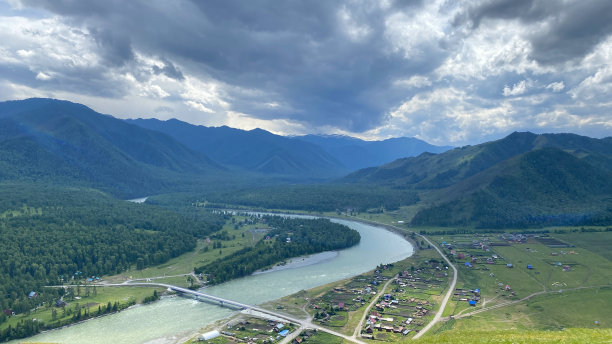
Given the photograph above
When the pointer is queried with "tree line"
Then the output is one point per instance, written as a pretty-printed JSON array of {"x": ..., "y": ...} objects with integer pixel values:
[
  {"x": 51, "y": 235},
  {"x": 288, "y": 238}
]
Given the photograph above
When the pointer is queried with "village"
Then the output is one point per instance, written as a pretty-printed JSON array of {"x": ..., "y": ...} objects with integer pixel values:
[{"x": 249, "y": 330}]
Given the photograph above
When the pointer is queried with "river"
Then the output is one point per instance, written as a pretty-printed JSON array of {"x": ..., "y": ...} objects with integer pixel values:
[{"x": 172, "y": 319}]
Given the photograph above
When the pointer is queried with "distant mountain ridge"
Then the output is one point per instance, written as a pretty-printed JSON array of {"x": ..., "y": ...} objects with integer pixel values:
[
  {"x": 521, "y": 180},
  {"x": 60, "y": 141},
  {"x": 357, "y": 154},
  {"x": 311, "y": 155},
  {"x": 256, "y": 150}
]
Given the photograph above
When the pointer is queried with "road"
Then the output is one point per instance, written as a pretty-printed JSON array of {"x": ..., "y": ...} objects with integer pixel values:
[
  {"x": 449, "y": 293},
  {"x": 367, "y": 311},
  {"x": 451, "y": 288},
  {"x": 509, "y": 303}
]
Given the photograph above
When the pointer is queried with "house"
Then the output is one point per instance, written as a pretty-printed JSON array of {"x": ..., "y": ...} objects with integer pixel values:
[
  {"x": 509, "y": 266},
  {"x": 406, "y": 332},
  {"x": 283, "y": 333},
  {"x": 340, "y": 305},
  {"x": 472, "y": 303},
  {"x": 567, "y": 268},
  {"x": 298, "y": 340},
  {"x": 468, "y": 264},
  {"x": 60, "y": 303},
  {"x": 32, "y": 295},
  {"x": 8, "y": 312},
  {"x": 529, "y": 266},
  {"x": 460, "y": 255}
]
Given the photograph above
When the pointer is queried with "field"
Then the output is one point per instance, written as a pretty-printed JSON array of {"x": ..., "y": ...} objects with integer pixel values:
[
  {"x": 566, "y": 287},
  {"x": 240, "y": 234},
  {"x": 99, "y": 298}
]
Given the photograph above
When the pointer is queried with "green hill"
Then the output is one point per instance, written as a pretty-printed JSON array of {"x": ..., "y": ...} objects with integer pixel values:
[
  {"x": 62, "y": 142},
  {"x": 522, "y": 180}
]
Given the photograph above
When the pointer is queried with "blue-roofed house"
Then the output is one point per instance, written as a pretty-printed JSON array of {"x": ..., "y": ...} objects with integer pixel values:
[
  {"x": 529, "y": 266},
  {"x": 283, "y": 333},
  {"x": 472, "y": 303}
]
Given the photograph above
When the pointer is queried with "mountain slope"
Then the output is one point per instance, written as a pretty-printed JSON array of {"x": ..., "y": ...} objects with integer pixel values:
[
  {"x": 59, "y": 141},
  {"x": 255, "y": 150},
  {"x": 541, "y": 187},
  {"x": 521, "y": 180},
  {"x": 435, "y": 171},
  {"x": 356, "y": 154}
]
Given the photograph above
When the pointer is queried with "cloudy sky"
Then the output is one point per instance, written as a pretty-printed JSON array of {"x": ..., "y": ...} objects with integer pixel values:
[{"x": 448, "y": 72}]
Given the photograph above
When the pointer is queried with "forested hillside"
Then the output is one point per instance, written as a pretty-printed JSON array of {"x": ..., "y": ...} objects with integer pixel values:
[
  {"x": 62, "y": 142},
  {"x": 254, "y": 150},
  {"x": 287, "y": 238},
  {"x": 319, "y": 198},
  {"x": 51, "y": 235},
  {"x": 522, "y": 180}
]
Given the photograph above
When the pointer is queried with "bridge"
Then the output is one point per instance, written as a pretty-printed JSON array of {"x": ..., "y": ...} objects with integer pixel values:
[
  {"x": 212, "y": 299},
  {"x": 303, "y": 323}
]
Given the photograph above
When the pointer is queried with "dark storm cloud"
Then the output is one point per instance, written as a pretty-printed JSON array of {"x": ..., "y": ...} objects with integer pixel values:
[
  {"x": 115, "y": 47},
  {"x": 169, "y": 70},
  {"x": 571, "y": 31},
  {"x": 295, "y": 53}
]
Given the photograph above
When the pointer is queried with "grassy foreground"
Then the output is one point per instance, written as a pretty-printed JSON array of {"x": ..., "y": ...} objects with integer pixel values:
[{"x": 569, "y": 336}]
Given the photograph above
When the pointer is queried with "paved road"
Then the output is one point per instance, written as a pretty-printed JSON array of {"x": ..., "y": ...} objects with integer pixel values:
[{"x": 304, "y": 324}]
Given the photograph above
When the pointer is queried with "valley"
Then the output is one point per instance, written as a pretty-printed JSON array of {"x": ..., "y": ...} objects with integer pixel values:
[{"x": 74, "y": 251}]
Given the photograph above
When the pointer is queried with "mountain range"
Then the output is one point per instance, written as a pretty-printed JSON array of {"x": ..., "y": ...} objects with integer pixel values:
[
  {"x": 62, "y": 142},
  {"x": 521, "y": 180},
  {"x": 357, "y": 154},
  {"x": 315, "y": 156}
]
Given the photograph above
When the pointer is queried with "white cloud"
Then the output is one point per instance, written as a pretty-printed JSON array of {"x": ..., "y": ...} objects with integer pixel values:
[
  {"x": 556, "y": 86},
  {"x": 516, "y": 89},
  {"x": 25, "y": 53},
  {"x": 199, "y": 106},
  {"x": 410, "y": 32},
  {"x": 43, "y": 76},
  {"x": 415, "y": 81}
]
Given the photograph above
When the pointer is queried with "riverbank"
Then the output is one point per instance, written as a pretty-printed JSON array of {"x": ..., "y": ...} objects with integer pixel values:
[
  {"x": 171, "y": 319},
  {"x": 299, "y": 262}
]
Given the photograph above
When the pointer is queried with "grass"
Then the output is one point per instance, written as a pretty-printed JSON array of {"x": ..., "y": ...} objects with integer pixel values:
[
  {"x": 569, "y": 336},
  {"x": 186, "y": 262},
  {"x": 321, "y": 337},
  {"x": 104, "y": 295},
  {"x": 597, "y": 242}
]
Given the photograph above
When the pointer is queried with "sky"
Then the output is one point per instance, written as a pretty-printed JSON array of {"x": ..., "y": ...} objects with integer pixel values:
[{"x": 447, "y": 72}]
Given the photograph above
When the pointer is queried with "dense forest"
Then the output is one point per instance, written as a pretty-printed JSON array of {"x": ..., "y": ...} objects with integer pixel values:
[
  {"x": 316, "y": 198},
  {"x": 287, "y": 238},
  {"x": 51, "y": 235}
]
